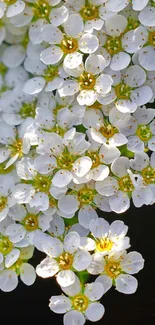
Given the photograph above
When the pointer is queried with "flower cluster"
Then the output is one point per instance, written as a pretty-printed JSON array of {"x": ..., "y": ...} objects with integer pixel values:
[{"x": 77, "y": 134}]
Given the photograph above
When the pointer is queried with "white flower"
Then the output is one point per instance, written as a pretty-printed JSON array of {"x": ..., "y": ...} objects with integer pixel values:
[
  {"x": 63, "y": 259},
  {"x": 129, "y": 90},
  {"x": 15, "y": 142},
  {"x": 84, "y": 199},
  {"x": 44, "y": 77},
  {"x": 142, "y": 41},
  {"x": 21, "y": 107},
  {"x": 93, "y": 13},
  {"x": 9, "y": 277},
  {"x": 81, "y": 304},
  {"x": 101, "y": 128},
  {"x": 67, "y": 156},
  {"x": 36, "y": 188},
  {"x": 113, "y": 42},
  {"x": 29, "y": 221},
  {"x": 9, "y": 252},
  {"x": 68, "y": 45},
  {"x": 117, "y": 270},
  {"x": 48, "y": 11},
  {"x": 109, "y": 238},
  {"x": 122, "y": 186},
  {"x": 91, "y": 82},
  {"x": 141, "y": 134}
]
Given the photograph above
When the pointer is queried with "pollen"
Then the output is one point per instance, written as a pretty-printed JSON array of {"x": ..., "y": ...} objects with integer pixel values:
[
  {"x": 65, "y": 261},
  {"x": 113, "y": 45},
  {"x": 148, "y": 174},
  {"x": 89, "y": 12},
  {"x": 86, "y": 196},
  {"x": 87, "y": 81},
  {"x": 123, "y": 91},
  {"x": 65, "y": 160},
  {"x": 31, "y": 222},
  {"x": 42, "y": 183},
  {"x": 125, "y": 184},
  {"x": 112, "y": 268},
  {"x": 41, "y": 9},
  {"x": 104, "y": 244},
  {"x": 16, "y": 148},
  {"x": 28, "y": 110},
  {"x": 108, "y": 131},
  {"x": 69, "y": 45},
  {"x": 94, "y": 156},
  {"x": 80, "y": 302},
  {"x": 144, "y": 133}
]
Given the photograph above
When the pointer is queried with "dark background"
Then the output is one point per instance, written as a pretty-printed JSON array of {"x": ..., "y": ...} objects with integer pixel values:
[{"x": 31, "y": 303}]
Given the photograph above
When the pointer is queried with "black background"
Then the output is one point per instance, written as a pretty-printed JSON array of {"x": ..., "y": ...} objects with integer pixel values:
[{"x": 31, "y": 303}]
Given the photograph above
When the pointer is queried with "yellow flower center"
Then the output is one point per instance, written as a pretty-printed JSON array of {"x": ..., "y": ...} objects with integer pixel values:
[
  {"x": 144, "y": 133},
  {"x": 16, "y": 147},
  {"x": 89, "y": 12},
  {"x": 65, "y": 261},
  {"x": 112, "y": 269},
  {"x": 86, "y": 196},
  {"x": 113, "y": 45},
  {"x": 5, "y": 245},
  {"x": 28, "y": 110},
  {"x": 152, "y": 38},
  {"x": 104, "y": 244},
  {"x": 94, "y": 156},
  {"x": 41, "y": 9},
  {"x": 69, "y": 45},
  {"x": 65, "y": 160},
  {"x": 50, "y": 73},
  {"x": 3, "y": 203},
  {"x": 107, "y": 131},
  {"x": 148, "y": 174},
  {"x": 87, "y": 81},
  {"x": 125, "y": 184},
  {"x": 42, "y": 183},
  {"x": 80, "y": 302},
  {"x": 31, "y": 222},
  {"x": 123, "y": 91}
]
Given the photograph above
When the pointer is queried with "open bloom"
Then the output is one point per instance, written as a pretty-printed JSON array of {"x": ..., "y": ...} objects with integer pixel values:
[
  {"x": 14, "y": 141},
  {"x": 20, "y": 267},
  {"x": 63, "y": 259},
  {"x": 90, "y": 81},
  {"x": 108, "y": 239},
  {"x": 117, "y": 270},
  {"x": 142, "y": 131},
  {"x": 129, "y": 89},
  {"x": 122, "y": 186},
  {"x": 29, "y": 222},
  {"x": 81, "y": 304},
  {"x": 65, "y": 156},
  {"x": 68, "y": 44}
]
